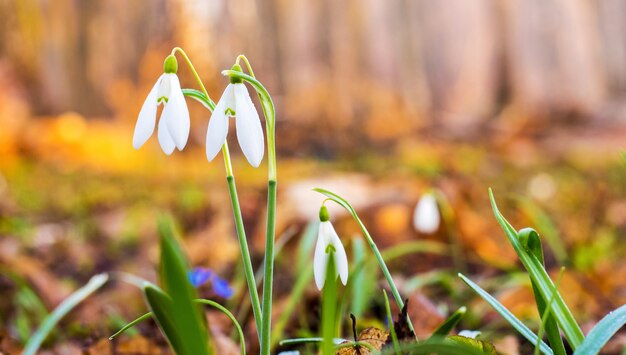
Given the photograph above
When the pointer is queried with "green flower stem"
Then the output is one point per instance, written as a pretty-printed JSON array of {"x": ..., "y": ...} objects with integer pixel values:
[
  {"x": 245, "y": 253},
  {"x": 232, "y": 189},
  {"x": 269, "y": 112}
]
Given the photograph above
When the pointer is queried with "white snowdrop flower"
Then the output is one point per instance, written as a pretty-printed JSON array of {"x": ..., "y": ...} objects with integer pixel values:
[
  {"x": 173, "y": 130},
  {"x": 236, "y": 102},
  {"x": 327, "y": 242},
  {"x": 426, "y": 217}
]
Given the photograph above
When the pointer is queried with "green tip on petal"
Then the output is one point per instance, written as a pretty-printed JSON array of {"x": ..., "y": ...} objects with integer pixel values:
[
  {"x": 235, "y": 80},
  {"x": 170, "y": 65},
  {"x": 324, "y": 216}
]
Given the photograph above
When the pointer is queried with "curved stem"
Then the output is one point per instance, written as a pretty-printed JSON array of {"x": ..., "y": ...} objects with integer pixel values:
[
  {"x": 225, "y": 152},
  {"x": 232, "y": 189}
]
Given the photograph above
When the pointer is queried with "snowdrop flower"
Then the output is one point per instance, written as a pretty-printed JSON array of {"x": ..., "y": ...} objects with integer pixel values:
[
  {"x": 236, "y": 102},
  {"x": 173, "y": 128},
  {"x": 426, "y": 217},
  {"x": 327, "y": 242}
]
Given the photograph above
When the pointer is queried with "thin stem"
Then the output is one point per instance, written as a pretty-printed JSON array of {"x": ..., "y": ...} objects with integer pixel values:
[
  {"x": 268, "y": 269},
  {"x": 245, "y": 253},
  {"x": 384, "y": 268},
  {"x": 232, "y": 189}
]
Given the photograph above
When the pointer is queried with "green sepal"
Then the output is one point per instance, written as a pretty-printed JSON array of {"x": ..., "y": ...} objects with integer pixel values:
[
  {"x": 170, "y": 65},
  {"x": 234, "y": 79},
  {"x": 324, "y": 216}
]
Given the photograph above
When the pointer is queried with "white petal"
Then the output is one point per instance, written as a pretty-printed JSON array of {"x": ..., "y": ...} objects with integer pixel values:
[
  {"x": 341, "y": 259},
  {"x": 218, "y": 124},
  {"x": 426, "y": 217},
  {"x": 249, "y": 130},
  {"x": 320, "y": 258},
  {"x": 175, "y": 113},
  {"x": 165, "y": 139},
  {"x": 147, "y": 117}
]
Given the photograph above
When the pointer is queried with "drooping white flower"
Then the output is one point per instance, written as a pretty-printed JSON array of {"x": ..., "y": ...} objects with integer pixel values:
[
  {"x": 236, "y": 102},
  {"x": 328, "y": 243},
  {"x": 173, "y": 130},
  {"x": 426, "y": 217}
]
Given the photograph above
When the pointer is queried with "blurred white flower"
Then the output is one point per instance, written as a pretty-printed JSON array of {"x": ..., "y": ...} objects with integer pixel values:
[
  {"x": 426, "y": 217},
  {"x": 174, "y": 123},
  {"x": 236, "y": 102},
  {"x": 328, "y": 241}
]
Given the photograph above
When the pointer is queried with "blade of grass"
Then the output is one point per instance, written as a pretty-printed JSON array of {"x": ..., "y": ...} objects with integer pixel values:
[
  {"x": 530, "y": 240},
  {"x": 540, "y": 277},
  {"x": 188, "y": 317},
  {"x": 448, "y": 325},
  {"x": 392, "y": 328},
  {"x": 602, "y": 332},
  {"x": 545, "y": 316},
  {"x": 507, "y": 315},
  {"x": 33, "y": 344}
]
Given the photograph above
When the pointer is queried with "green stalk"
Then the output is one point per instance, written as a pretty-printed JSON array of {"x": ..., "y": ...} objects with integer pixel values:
[
  {"x": 245, "y": 253},
  {"x": 269, "y": 112},
  {"x": 232, "y": 189},
  {"x": 268, "y": 269}
]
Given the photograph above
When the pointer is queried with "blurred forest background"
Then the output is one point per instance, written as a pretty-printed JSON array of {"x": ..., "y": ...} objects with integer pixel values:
[{"x": 376, "y": 100}]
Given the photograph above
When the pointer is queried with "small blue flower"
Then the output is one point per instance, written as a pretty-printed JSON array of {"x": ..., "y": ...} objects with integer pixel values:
[
  {"x": 221, "y": 287},
  {"x": 199, "y": 276}
]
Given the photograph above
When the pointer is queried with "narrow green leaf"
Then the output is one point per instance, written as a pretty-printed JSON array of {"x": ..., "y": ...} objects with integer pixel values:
[
  {"x": 33, "y": 344},
  {"x": 507, "y": 315},
  {"x": 131, "y": 324},
  {"x": 392, "y": 328},
  {"x": 223, "y": 309},
  {"x": 164, "y": 311},
  {"x": 200, "y": 97},
  {"x": 440, "y": 346},
  {"x": 188, "y": 317},
  {"x": 602, "y": 332},
  {"x": 540, "y": 277},
  {"x": 529, "y": 239},
  {"x": 448, "y": 325}
]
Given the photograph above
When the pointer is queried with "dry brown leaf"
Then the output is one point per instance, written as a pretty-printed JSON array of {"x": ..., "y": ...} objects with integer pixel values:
[{"x": 373, "y": 336}]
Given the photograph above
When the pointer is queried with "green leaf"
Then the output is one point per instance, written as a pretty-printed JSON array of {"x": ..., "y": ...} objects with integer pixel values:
[
  {"x": 61, "y": 310},
  {"x": 480, "y": 345},
  {"x": 448, "y": 325},
  {"x": 443, "y": 346},
  {"x": 164, "y": 311},
  {"x": 507, "y": 315},
  {"x": 200, "y": 97},
  {"x": 602, "y": 332},
  {"x": 392, "y": 328},
  {"x": 540, "y": 278},
  {"x": 187, "y": 317},
  {"x": 200, "y": 300},
  {"x": 530, "y": 240}
]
